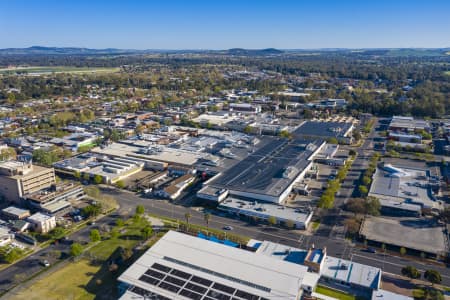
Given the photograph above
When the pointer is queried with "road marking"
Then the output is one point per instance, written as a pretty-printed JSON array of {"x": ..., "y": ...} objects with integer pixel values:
[
  {"x": 391, "y": 263},
  {"x": 278, "y": 237}
]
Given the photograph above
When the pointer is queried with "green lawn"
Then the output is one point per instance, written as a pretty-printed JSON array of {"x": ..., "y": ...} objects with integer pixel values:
[
  {"x": 105, "y": 248},
  {"x": 334, "y": 293},
  {"x": 66, "y": 283},
  {"x": 82, "y": 279},
  {"x": 58, "y": 69}
]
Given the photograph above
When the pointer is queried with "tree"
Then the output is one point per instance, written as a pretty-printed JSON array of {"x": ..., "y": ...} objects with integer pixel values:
[
  {"x": 98, "y": 179},
  {"x": 187, "y": 216},
  {"x": 7, "y": 153},
  {"x": 125, "y": 253},
  {"x": 86, "y": 176},
  {"x": 95, "y": 235},
  {"x": 248, "y": 129},
  {"x": 352, "y": 225},
  {"x": 77, "y": 175},
  {"x": 372, "y": 206},
  {"x": 57, "y": 233},
  {"x": 92, "y": 210},
  {"x": 356, "y": 206},
  {"x": 272, "y": 220},
  {"x": 10, "y": 254},
  {"x": 352, "y": 152},
  {"x": 366, "y": 180},
  {"x": 207, "y": 218},
  {"x": 333, "y": 140},
  {"x": 120, "y": 184},
  {"x": 147, "y": 232},
  {"x": 357, "y": 135},
  {"x": 363, "y": 190},
  {"x": 76, "y": 249},
  {"x": 290, "y": 224},
  {"x": 411, "y": 272},
  {"x": 44, "y": 157},
  {"x": 140, "y": 209},
  {"x": 285, "y": 134},
  {"x": 402, "y": 251},
  {"x": 433, "y": 276},
  {"x": 120, "y": 223},
  {"x": 11, "y": 98},
  {"x": 423, "y": 255}
]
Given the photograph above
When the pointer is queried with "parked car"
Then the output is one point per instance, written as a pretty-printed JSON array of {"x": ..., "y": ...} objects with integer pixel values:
[
  {"x": 371, "y": 250},
  {"x": 45, "y": 263}
]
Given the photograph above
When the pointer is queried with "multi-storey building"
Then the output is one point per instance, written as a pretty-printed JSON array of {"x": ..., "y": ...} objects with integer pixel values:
[{"x": 19, "y": 178}]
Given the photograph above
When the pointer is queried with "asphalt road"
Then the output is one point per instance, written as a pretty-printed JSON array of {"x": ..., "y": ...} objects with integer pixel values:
[{"x": 335, "y": 246}]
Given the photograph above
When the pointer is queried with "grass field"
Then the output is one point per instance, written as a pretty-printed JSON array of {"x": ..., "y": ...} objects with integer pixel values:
[
  {"x": 66, "y": 283},
  {"x": 57, "y": 69},
  {"x": 333, "y": 293},
  {"x": 447, "y": 73},
  {"x": 83, "y": 280}
]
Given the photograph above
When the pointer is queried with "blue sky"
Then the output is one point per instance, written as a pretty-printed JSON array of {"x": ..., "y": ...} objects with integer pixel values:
[{"x": 219, "y": 24}]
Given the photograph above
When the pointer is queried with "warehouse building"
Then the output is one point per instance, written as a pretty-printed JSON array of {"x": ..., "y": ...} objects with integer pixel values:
[
  {"x": 285, "y": 216},
  {"x": 408, "y": 124},
  {"x": 110, "y": 169},
  {"x": 331, "y": 270},
  {"x": 267, "y": 174},
  {"x": 400, "y": 188},
  {"x": 181, "y": 266}
]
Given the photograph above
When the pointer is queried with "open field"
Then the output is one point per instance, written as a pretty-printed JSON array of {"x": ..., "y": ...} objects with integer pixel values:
[
  {"x": 56, "y": 69},
  {"x": 66, "y": 283}
]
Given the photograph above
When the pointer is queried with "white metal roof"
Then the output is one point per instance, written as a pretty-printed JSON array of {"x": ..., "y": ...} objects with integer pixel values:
[
  {"x": 231, "y": 266},
  {"x": 351, "y": 272}
]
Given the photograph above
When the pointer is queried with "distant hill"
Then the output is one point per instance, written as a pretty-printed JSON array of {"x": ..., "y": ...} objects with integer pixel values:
[
  {"x": 40, "y": 50},
  {"x": 252, "y": 52}
]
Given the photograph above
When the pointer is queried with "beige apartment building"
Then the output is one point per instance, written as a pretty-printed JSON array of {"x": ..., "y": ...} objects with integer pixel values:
[{"x": 20, "y": 178}]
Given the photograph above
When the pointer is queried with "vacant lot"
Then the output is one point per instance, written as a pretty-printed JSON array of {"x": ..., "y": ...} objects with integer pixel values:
[
  {"x": 57, "y": 69},
  {"x": 66, "y": 283}
]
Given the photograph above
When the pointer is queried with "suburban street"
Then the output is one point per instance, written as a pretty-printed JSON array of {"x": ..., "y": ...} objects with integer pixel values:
[
  {"x": 330, "y": 234},
  {"x": 337, "y": 247}
]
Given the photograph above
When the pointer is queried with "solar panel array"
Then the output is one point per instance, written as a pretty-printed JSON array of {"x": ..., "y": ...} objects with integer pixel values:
[{"x": 188, "y": 285}]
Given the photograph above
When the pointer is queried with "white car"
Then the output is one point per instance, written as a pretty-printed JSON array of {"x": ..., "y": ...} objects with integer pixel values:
[
  {"x": 45, "y": 263},
  {"x": 228, "y": 228}
]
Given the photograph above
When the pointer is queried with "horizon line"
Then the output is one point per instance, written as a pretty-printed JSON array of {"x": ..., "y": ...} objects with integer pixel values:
[{"x": 221, "y": 49}]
